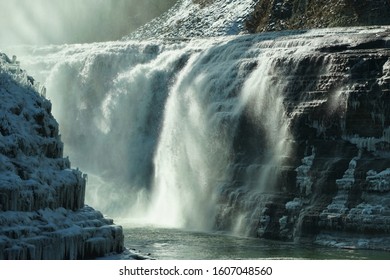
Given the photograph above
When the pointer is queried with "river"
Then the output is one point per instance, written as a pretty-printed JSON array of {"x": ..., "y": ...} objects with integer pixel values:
[{"x": 177, "y": 244}]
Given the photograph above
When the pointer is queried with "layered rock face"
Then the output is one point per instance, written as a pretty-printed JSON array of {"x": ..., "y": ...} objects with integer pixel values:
[
  {"x": 42, "y": 211},
  {"x": 334, "y": 187}
]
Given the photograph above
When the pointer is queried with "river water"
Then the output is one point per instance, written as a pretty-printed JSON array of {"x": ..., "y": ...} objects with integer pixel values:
[{"x": 178, "y": 244}]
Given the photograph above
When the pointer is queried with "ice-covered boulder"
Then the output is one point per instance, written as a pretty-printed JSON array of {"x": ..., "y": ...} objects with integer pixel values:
[{"x": 42, "y": 211}]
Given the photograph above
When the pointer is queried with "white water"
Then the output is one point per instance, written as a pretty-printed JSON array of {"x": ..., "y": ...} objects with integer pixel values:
[
  {"x": 263, "y": 95},
  {"x": 155, "y": 123}
]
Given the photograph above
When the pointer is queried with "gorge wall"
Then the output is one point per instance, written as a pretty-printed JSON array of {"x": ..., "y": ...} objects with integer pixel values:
[
  {"x": 42, "y": 211},
  {"x": 281, "y": 135},
  {"x": 332, "y": 189}
]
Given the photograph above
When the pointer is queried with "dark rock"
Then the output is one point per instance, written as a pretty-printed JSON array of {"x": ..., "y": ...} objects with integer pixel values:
[
  {"x": 275, "y": 15},
  {"x": 337, "y": 178}
]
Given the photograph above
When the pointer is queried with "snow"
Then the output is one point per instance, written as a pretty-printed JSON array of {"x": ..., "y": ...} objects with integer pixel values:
[{"x": 187, "y": 20}]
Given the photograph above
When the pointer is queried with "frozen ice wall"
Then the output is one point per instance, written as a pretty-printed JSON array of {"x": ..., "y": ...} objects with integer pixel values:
[{"x": 42, "y": 211}]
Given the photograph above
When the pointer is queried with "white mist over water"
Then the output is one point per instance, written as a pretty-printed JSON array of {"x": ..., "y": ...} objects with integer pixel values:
[
  {"x": 192, "y": 155},
  {"x": 195, "y": 151},
  {"x": 43, "y": 22}
]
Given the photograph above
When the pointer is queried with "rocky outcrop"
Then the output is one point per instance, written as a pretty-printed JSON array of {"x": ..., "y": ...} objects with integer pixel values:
[
  {"x": 42, "y": 211},
  {"x": 202, "y": 18},
  {"x": 333, "y": 189},
  {"x": 275, "y": 15},
  {"x": 198, "y": 18}
]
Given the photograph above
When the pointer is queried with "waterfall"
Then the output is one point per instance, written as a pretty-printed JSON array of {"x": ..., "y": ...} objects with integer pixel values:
[
  {"x": 194, "y": 149},
  {"x": 190, "y": 134},
  {"x": 262, "y": 94}
]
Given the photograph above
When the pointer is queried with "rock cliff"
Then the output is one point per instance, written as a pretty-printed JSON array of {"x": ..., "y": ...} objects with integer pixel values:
[
  {"x": 202, "y": 18},
  {"x": 42, "y": 211},
  {"x": 333, "y": 189},
  {"x": 274, "y": 15}
]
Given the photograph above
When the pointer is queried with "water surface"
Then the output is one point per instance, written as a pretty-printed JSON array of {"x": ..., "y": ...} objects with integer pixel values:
[{"x": 178, "y": 244}]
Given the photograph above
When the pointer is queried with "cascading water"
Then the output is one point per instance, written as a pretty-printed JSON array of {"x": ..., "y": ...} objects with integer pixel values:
[
  {"x": 262, "y": 94},
  {"x": 195, "y": 156},
  {"x": 192, "y": 134}
]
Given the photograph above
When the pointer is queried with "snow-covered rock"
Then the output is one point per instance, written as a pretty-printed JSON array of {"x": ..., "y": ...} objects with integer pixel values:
[
  {"x": 42, "y": 211},
  {"x": 189, "y": 18}
]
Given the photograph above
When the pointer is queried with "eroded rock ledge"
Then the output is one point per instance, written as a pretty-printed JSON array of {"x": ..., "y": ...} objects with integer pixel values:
[{"x": 42, "y": 211}]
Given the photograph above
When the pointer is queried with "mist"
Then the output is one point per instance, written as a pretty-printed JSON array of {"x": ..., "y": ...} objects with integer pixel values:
[{"x": 42, "y": 22}]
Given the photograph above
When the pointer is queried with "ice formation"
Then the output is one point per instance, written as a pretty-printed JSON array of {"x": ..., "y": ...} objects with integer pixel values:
[{"x": 42, "y": 211}]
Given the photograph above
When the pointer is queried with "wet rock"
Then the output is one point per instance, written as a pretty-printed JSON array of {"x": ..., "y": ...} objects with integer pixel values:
[{"x": 337, "y": 98}]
